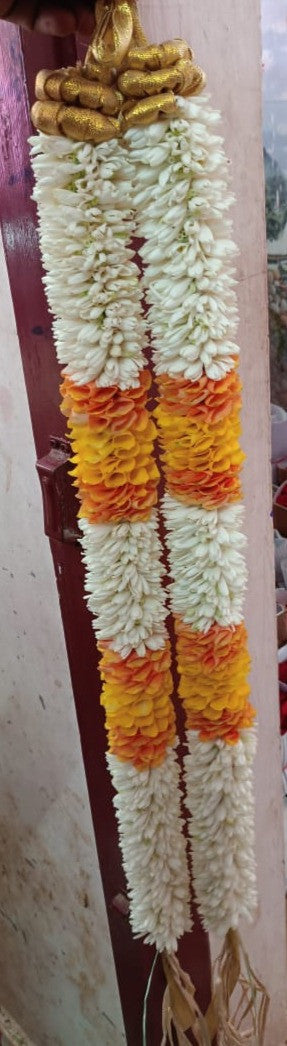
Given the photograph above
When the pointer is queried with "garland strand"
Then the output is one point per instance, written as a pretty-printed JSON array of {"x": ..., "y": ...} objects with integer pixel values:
[
  {"x": 93, "y": 289},
  {"x": 188, "y": 256}
]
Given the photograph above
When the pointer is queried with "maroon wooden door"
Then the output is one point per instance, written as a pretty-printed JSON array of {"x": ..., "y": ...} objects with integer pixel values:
[{"x": 22, "y": 55}]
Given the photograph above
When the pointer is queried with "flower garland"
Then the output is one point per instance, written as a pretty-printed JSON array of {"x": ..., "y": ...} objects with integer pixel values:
[
  {"x": 84, "y": 217},
  {"x": 166, "y": 182},
  {"x": 188, "y": 280}
]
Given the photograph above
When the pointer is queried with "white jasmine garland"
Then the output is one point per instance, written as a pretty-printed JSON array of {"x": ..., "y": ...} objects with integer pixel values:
[
  {"x": 181, "y": 197},
  {"x": 153, "y": 848},
  {"x": 84, "y": 197},
  {"x": 219, "y": 786},
  {"x": 189, "y": 281},
  {"x": 83, "y": 194},
  {"x": 168, "y": 184},
  {"x": 207, "y": 565},
  {"x": 124, "y": 584}
]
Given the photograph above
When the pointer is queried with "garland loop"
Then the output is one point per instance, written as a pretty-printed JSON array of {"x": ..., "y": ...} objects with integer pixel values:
[{"x": 128, "y": 150}]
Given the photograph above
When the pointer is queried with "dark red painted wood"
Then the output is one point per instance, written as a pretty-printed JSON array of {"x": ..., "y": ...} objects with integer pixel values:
[{"x": 22, "y": 55}]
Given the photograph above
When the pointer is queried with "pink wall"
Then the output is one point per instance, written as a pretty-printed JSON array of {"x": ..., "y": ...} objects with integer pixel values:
[{"x": 226, "y": 37}]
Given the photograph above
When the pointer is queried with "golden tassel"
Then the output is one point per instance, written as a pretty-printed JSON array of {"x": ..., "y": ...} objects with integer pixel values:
[
  {"x": 180, "y": 1012},
  {"x": 233, "y": 1021},
  {"x": 242, "y": 1020},
  {"x": 124, "y": 81}
]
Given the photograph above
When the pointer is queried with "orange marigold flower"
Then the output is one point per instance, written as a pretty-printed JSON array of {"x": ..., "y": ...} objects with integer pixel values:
[
  {"x": 210, "y": 649},
  {"x": 201, "y": 461},
  {"x": 105, "y": 408},
  {"x": 204, "y": 489},
  {"x": 205, "y": 399},
  {"x": 227, "y": 728},
  {"x": 213, "y": 670},
  {"x": 143, "y": 752},
  {"x": 100, "y": 505}
]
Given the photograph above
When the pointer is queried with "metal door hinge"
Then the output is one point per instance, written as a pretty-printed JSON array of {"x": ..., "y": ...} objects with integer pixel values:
[{"x": 59, "y": 500}]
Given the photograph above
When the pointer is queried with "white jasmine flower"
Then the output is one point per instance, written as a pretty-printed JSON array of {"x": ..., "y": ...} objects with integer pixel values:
[
  {"x": 206, "y": 562},
  {"x": 181, "y": 215},
  {"x": 124, "y": 584},
  {"x": 147, "y": 806},
  {"x": 219, "y": 787},
  {"x": 84, "y": 200}
]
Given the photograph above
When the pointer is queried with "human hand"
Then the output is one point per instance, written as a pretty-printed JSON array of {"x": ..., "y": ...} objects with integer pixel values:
[{"x": 48, "y": 16}]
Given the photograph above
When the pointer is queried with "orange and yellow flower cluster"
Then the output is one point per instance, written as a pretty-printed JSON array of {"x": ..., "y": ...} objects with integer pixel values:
[
  {"x": 112, "y": 437},
  {"x": 136, "y": 692},
  {"x": 213, "y": 668},
  {"x": 205, "y": 400},
  {"x": 199, "y": 430},
  {"x": 199, "y": 433}
]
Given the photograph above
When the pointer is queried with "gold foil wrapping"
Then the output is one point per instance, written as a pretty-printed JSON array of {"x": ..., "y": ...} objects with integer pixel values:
[
  {"x": 114, "y": 32},
  {"x": 157, "y": 56},
  {"x": 72, "y": 88},
  {"x": 82, "y": 125},
  {"x": 149, "y": 109},
  {"x": 179, "y": 78},
  {"x": 124, "y": 81}
]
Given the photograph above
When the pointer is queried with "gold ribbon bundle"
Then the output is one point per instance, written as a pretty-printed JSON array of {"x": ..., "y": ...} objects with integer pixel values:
[{"x": 126, "y": 83}]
